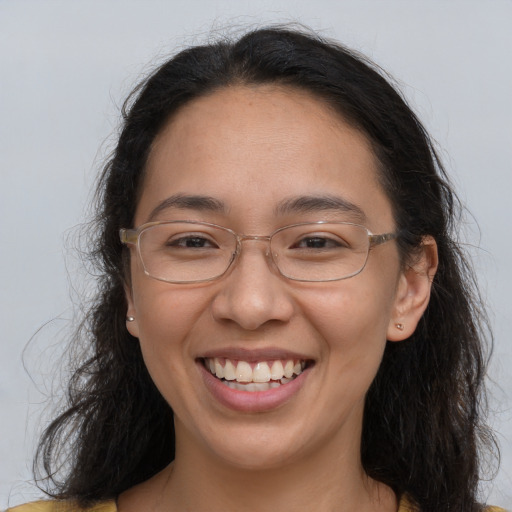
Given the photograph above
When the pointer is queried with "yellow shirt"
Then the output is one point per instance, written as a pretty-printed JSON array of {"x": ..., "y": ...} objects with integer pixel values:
[
  {"x": 62, "y": 506},
  {"x": 110, "y": 506}
]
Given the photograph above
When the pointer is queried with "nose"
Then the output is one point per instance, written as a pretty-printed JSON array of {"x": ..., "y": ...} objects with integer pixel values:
[{"x": 253, "y": 293}]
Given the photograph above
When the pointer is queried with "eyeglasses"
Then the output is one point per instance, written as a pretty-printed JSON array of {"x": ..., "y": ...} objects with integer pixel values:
[{"x": 193, "y": 252}]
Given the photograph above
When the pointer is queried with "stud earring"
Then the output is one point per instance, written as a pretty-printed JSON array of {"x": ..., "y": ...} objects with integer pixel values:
[
  {"x": 130, "y": 318},
  {"x": 400, "y": 327}
]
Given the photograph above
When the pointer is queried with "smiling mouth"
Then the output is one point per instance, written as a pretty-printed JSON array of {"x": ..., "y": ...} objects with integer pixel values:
[{"x": 254, "y": 376}]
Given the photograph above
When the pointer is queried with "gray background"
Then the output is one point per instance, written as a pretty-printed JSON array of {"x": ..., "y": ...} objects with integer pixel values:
[{"x": 65, "y": 68}]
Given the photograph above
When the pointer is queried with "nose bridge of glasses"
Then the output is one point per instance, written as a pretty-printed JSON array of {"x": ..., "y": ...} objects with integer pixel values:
[
  {"x": 255, "y": 238},
  {"x": 263, "y": 238}
]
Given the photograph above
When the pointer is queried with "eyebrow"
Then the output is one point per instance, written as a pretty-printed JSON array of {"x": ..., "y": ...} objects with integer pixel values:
[
  {"x": 189, "y": 202},
  {"x": 293, "y": 205},
  {"x": 328, "y": 203}
]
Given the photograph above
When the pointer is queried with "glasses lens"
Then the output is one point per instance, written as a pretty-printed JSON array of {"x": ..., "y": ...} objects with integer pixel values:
[
  {"x": 320, "y": 252},
  {"x": 183, "y": 252}
]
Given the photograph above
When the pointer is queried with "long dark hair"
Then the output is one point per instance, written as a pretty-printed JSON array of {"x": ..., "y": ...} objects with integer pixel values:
[{"x": 423, "y": 427}]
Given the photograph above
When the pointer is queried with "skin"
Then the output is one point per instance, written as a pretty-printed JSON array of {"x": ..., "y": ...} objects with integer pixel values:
[{"x": 252, "y": 148}]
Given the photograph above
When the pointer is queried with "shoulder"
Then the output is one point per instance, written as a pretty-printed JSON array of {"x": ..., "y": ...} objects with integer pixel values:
[
  {"x": 406, "y": 506},
  {"x": 63, "y": 506}
]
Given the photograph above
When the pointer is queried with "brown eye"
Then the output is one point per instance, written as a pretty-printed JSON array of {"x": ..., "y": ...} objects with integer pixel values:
[
  {"x": 319, "y": 242},
  {"x": 192, "y": 242}
]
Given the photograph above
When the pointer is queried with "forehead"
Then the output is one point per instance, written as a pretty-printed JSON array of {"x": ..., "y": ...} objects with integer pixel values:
[{"x": 254, "y": 147}]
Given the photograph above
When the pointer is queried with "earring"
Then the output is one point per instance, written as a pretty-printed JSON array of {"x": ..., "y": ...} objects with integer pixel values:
[
  {"x": 130, "y": 318},
  {"x": 400, "y": 327}
]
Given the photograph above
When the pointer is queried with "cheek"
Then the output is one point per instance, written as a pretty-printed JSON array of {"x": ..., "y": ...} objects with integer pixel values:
[
  {"x": 352, "y": 321},
  {"x": 164, "y": 310},
  {"x": 350, "y": 314},
  {"x": 167, "y": 319}
]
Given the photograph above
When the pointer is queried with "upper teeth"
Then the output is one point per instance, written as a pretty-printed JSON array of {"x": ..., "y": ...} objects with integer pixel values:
[{"x": 262, "y": 371}]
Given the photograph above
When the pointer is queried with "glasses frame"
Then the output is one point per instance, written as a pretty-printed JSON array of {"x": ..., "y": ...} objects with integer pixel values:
[{"x": 132, "y": 237}]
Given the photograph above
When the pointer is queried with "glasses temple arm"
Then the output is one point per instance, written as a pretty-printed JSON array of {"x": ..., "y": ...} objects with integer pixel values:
[
  {"x": 128, "y": 236},
  {"x": 380, "y": 239}
]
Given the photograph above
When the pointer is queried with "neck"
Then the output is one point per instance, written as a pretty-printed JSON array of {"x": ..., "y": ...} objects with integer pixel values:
[
  {"x": 298, "y": 487},
  {"x": 324, "y": 480}
]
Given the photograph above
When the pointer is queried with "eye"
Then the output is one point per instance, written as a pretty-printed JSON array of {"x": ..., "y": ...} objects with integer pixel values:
[
  {"x": 320, "y": 241},
  {"x": 191, "y": 241}
]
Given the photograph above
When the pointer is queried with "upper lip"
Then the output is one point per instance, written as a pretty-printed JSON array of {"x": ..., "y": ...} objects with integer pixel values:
[{"x": 254, "y": 355}]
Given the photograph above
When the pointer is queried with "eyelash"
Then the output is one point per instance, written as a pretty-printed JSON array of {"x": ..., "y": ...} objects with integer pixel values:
[
  {"x": 306, "y": 242},
  {"x": 182, "y": 241}
]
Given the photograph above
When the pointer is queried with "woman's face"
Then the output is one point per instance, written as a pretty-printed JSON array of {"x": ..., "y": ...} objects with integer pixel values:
[{"x": 254, "y": 151}]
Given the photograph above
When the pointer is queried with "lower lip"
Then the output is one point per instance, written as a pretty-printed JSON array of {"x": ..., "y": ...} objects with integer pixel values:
[{"x": 252, "y": 401}]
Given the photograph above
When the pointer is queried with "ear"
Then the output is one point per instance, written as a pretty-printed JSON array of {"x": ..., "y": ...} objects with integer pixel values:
[
  {"x": 132, "y": 325},
  {"x": 413, "y": 292}
]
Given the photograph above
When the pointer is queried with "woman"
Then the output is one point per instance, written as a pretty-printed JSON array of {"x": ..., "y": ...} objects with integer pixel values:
[{"x": 284, "y": 319}]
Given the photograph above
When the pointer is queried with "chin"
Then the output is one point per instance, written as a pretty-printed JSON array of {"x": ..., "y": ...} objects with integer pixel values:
[
  {"x": 255, "y": 448},
  {"x": 256, "y": 457}
]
